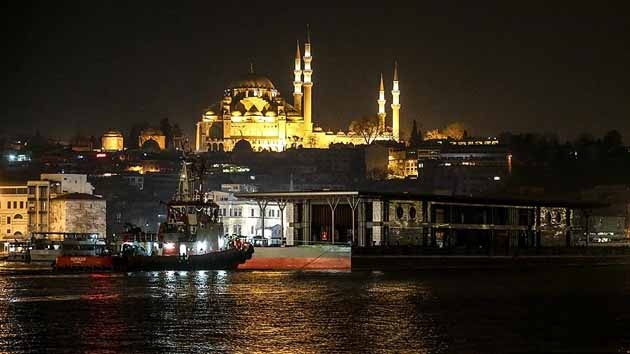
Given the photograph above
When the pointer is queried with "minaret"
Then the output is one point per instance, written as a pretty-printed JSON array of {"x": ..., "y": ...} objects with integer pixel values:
[
  {"x": 308, "y": 84},
  {"x": 381, "y": 106},
  {"x": 396, "y": 106},
  {"x": 297, "y": 83}
]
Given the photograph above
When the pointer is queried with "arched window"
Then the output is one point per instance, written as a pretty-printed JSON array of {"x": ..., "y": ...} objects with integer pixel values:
[
  {"x": 17, "y": 217},
  {"x": 548, "y": 217},
  {"x": 399, "y": 212},
  {"x": 17, "y": 233},
  {"x": 412, "y": 213}
]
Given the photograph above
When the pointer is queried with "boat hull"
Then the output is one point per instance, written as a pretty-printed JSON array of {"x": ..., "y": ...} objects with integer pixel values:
[
  {"x": 312, "y": 257},
  {"x": 84, "y": 263},
  {"x": 226, "y": 259}
]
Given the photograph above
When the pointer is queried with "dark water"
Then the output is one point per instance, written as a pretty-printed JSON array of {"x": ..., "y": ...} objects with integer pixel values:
[{"x": 568, "y": 310}]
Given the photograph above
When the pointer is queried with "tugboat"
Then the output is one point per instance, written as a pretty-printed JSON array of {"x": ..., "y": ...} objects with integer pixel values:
[{"x": 191, "y": 238}]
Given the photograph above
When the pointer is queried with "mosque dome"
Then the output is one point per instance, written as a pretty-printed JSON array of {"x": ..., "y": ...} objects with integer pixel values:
[
  {"x": 151, "y": 146},
  {"x": 252, "y": 80}
]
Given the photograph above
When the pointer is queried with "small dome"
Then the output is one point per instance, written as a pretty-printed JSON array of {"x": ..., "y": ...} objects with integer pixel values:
[
  {"x": 113, "y": 134},
  {"x": 242, "y": 146},
  {"x": 340, "y": 133},
  {"x": 252, "y": 80},
  {"x": 236, "y": 114},
  {"x": 151, "y": 146},
  {"x": 270, "y": 114},
  {"x": 318, "y": 129}
]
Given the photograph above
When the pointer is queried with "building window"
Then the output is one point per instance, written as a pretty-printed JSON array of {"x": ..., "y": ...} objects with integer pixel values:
[
  {"x": 8, "y": 205},
  {"x": 399, "y": 212},
  {"x": 14, "y": 204},
  {"x": 17, "y": 217},
  {"x": 412, "y": 213},
  {"x": 548, "y": 218},
  {"x": 252, "y": 214},
  {"x": 21, "y": 205},
  {"x": 8, "y": 220},
  {"x": 252, "y": 232}
]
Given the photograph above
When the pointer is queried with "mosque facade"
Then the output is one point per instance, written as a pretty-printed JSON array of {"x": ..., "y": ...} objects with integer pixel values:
[{"x": 252, "y": 109}]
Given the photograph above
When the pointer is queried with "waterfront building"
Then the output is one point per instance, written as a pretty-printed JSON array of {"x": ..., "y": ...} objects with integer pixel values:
[
  {"x": 245, "y": 218},
  {"x": 112, "y": 141},
  {"x": 25, "y": 208},
  {"x": 62, "y": 183},
  {"x": 78, "y": 213},
  {"x": 253, "y": 109},
  {"x": 433, "y": 221},
  {"x": 13, "y": 212}
]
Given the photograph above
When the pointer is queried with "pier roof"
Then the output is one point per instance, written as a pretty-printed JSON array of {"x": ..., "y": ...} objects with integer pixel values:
[{"x": 435, "y": 198}]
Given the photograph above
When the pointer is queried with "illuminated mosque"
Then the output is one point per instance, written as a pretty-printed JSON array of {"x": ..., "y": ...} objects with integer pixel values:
[{"x": 253, "y": 110}]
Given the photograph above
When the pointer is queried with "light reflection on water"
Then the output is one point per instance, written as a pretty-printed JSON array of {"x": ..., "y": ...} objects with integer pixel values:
[{"x": 313, "y": 312}]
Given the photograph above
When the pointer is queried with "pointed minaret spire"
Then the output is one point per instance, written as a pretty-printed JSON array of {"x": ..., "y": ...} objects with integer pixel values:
[
  {"x": 297, "y": 83},
  {"x": 251, "y": 67},
  {"x": 395, "y": 105},
  {"x": 308, "y": 83},
  {"x": 381, "y": 105}
]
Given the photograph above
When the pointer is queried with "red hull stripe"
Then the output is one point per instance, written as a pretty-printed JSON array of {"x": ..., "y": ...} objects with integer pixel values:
[{"x": 296, "y": 263}]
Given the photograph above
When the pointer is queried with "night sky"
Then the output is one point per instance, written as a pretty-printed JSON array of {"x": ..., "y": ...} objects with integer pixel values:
[{"x": 85, "y": 67}]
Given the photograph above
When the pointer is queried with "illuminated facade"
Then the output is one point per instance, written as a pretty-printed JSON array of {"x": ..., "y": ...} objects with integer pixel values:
[
  {"x": 252, "y": 109},
  {"x": 112, "y": 141},
  {"x": 13, "y": 212},
  {"x": 78, "y": 212},
  {"x": 150, "y": 138}
]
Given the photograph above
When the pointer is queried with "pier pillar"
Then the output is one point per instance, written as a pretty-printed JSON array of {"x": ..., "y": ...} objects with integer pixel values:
[
  {"x": 537, "y": 226},
  {"x": 432, "y": 230},
  {"x": 282, "y": 204},
  {"x": 377, "y": 222},
  {"x": 354, "y": 203},
  {"x": 332, "y": 203},
  {"x": 306, "y": 221},
  {"x": 568, "y": 226},
  {"x": 262, "y": 205},
  {"x": 361, "y": 225}
]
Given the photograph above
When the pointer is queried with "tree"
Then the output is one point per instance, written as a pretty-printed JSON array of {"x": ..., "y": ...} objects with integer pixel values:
[
  {"x": 416, "y": 137},
  {"x": 612, "y": 141},
  {"x": 453, "y": 131},
  {"x": 367, "y": 127},
  {"x": 167, "y": 130},
  {"x": 134, "y": 133}
]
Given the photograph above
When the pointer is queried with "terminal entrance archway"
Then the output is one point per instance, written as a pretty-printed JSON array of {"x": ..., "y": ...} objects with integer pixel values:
[{"x": 322, "y": 219}]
